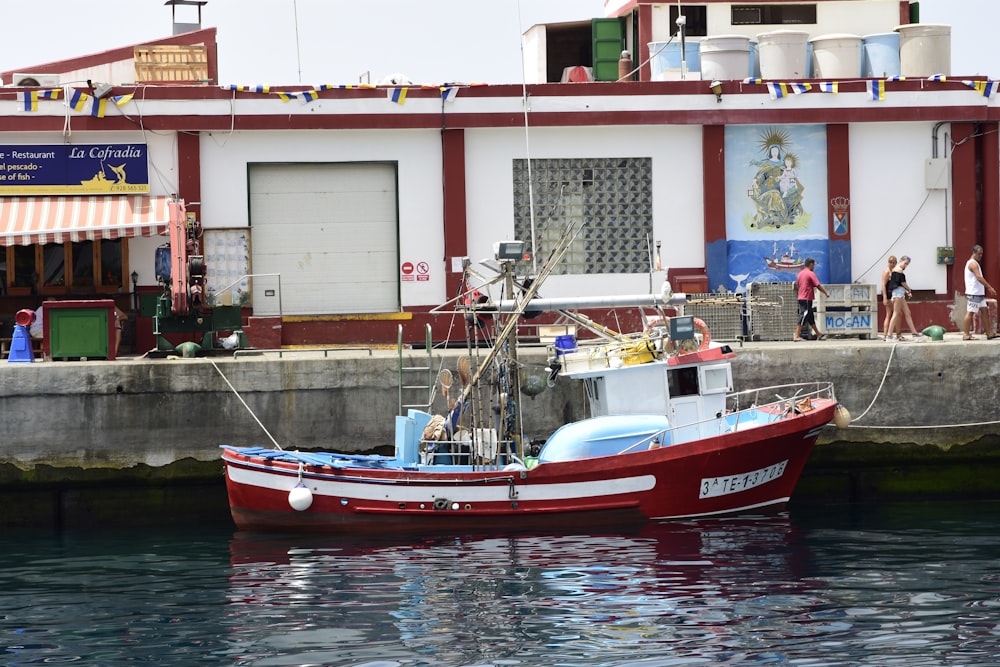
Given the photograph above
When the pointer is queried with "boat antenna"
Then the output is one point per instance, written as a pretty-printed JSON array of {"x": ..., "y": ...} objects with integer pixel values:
[
  {"x": 681, "y": 22},
  {"x": 527, "y": 142}
]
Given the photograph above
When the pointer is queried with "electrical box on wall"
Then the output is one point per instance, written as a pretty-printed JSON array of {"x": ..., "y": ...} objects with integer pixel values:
[
  {"x": 946, "y": 255},
  {"x": 936, "y": 173}
]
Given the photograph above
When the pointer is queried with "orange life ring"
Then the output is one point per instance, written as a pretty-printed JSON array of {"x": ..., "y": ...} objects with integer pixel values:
[
  {"x": 706, "y": 338},
  {"x": 706, "y": 335}
]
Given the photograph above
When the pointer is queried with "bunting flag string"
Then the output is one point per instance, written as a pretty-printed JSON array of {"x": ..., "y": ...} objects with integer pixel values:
[
  {"x": 28, "y": 100},
  {"x": 122, "y": 100},
  {"x": 78, "y": 100},
  {"x": 777, "y": 90},
  {"x": 398, "y": 95},
  {"x": 876, "y": 90},
  {"x": 98, "y": 107},
  {"x": 984, "y": 88}
]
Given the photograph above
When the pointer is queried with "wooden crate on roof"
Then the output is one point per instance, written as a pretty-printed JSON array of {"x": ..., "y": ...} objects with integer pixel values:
[{"x": 171, "y": 63}]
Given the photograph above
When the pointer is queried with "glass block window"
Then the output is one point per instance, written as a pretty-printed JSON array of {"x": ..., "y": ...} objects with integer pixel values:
[{"x": 613, "y": 199}]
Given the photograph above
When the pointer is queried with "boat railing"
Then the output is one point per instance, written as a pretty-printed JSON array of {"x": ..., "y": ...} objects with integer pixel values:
[
  {"x": 777, "y": 400},
  {"x": 487, "y": 453},
  {"x": 751, "y": 407}
]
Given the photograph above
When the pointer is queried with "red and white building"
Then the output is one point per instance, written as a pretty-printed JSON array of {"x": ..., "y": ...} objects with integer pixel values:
[{"x": 353, "y": 206}]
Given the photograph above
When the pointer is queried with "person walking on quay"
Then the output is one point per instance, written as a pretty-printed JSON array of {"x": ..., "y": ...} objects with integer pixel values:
[
  {"x": 887, "y": 294},
  {"x": 976, "y": 288},
  {"x": 808, "y": 283},
  {"x": 900, "y": 292}
]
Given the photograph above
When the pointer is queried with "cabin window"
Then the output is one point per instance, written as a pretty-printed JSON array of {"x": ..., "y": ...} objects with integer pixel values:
[
  {"x": 716, "y": 379},
  {"x": 612, "y": 198},
  {"x": 683, "y": 381},
  {"x": 773, "y": 14}
]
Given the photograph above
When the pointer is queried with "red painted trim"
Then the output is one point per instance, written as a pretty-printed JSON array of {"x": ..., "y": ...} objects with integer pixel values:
[
  {"x": 221, "y": 123},
  {"x": 966, "y": 231},
  {"x": 713, "y": 142},
  {"x": 205, "y": 36},
  {"x": 645, "y": 18},
  {"x": 838, "y": 175},
  {"x": 990, "y": 202},
  {"x": 189, "y": 170},
  {"x": 456, "y": 242}
]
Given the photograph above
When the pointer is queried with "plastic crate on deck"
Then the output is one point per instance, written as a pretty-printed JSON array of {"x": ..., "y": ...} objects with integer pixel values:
[{"x": 722, "y": 313}]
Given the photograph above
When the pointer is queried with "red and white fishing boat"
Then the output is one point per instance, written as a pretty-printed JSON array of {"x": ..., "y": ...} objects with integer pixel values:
[
  {"x": 787, "y": 261},
  {"x": 666, "y": 438}
]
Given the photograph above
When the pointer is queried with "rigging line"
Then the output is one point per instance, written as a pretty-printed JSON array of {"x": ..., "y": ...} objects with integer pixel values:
[
  {"x": 970, "y": 424},
  {"x": 527, "y": 143},
  {"x": 900, "y": 235},
  {"x": 298, "y": 51},
  {"x": 240, "y": 399},
  {"x": 644, "y": 62}
]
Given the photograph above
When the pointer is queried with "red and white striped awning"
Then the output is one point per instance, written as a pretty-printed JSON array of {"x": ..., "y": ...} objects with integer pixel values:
[{"x": 30, "y": 220}]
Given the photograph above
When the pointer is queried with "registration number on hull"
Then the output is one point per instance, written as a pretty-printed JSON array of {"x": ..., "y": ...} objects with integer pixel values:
[{"x": 712, "y": 487}]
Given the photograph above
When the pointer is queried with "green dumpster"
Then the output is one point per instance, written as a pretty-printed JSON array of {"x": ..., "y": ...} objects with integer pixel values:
[{"x": 75, "y": 329}]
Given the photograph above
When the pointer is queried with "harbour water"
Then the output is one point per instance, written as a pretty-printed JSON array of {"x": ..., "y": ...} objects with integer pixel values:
[{"x": 903, "y": 584}]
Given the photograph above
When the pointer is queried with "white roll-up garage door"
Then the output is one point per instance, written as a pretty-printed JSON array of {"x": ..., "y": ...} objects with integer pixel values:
[{"x": 331, "y": 232}]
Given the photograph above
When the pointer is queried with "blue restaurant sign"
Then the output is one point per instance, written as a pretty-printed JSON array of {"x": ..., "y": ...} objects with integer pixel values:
[{"x": 74, "y": 169}]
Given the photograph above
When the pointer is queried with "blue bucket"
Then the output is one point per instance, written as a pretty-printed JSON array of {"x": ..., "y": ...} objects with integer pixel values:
[{"x": 565, "y": 344}]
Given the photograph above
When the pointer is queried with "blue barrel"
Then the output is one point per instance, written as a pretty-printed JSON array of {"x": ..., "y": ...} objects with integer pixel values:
[
  {"x": 666, "y": 56},
  {"x": 880, "y": 55}
]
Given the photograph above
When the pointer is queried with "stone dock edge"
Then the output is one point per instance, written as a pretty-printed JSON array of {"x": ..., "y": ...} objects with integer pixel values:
[{"x": 137, "y": 441}]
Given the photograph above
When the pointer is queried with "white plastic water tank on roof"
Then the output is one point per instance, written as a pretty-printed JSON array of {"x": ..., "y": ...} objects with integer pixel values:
[
  {"x": 924, "y": 49},
  {"x": 783, "y": 54},
  {"x": 837, "y": 55},
  {"x": 724, "y": 57}
]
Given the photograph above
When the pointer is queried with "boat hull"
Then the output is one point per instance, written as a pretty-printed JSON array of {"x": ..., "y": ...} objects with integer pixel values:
[{"x": 731, "y": 473}]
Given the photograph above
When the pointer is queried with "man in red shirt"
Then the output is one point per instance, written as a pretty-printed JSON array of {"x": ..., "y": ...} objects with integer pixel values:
[{"x": 807, "y": 283}]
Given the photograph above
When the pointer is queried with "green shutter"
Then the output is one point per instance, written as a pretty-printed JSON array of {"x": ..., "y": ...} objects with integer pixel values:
[{"x": 609, "y": 41}]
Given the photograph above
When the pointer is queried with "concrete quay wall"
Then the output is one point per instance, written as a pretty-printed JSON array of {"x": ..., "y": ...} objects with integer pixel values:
[{"x": 926, "y": 416}]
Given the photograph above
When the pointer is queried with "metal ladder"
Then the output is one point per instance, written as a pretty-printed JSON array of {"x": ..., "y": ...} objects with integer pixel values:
[{"x": 408, "y": 378}]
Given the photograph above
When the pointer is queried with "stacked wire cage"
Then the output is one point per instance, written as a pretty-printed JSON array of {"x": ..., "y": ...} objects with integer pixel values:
[
  {"x": 772, "y": 311},
  {"x": 722, "y": 313}
]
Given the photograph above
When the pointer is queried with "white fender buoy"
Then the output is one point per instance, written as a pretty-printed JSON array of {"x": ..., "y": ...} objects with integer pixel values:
[
  {"x": 300, "y": 498},
  {"x": 842, "y": 417}
]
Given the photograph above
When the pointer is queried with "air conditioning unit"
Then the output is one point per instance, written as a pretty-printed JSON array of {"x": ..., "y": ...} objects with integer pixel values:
[{"x": 31, "y": 80}]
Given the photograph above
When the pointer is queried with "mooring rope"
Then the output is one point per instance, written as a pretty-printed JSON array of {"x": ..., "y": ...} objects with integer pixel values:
[
  {"x": 879, "y": 391},
  {"x": 240, "y": 398}
]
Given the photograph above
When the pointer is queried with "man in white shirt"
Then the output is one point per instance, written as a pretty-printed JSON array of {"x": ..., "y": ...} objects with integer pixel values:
[{"x": 976, "y": 288}]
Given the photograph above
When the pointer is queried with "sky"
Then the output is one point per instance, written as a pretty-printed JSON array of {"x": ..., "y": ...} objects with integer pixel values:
[{"x": 287, "y": 42}]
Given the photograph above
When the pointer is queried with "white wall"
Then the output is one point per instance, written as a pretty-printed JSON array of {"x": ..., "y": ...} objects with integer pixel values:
[
  {"x": 224, "y": 159},
  {"x": 678, "y": 210},
  {"x": 892, "y": 211}
]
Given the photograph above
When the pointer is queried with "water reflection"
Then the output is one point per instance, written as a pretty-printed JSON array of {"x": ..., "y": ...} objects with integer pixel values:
[
  {"x": 915, "y": 585},
  {"x": 682, "y": 588}
]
